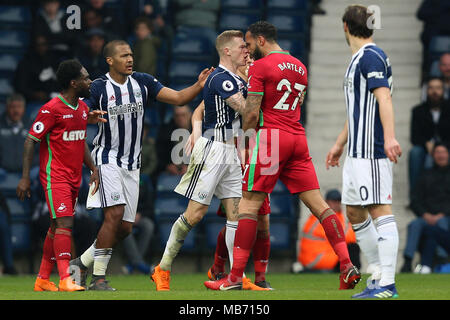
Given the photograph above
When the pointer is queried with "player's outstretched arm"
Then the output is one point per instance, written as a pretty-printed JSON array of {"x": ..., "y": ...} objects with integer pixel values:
[
  {"x": 182, "y": 97},
  {"x": 23, "y": 187},
  {"x": 337, "y": 149},
  {"x": 391, "y": 146},
  {"x": 250, "y": 113}
]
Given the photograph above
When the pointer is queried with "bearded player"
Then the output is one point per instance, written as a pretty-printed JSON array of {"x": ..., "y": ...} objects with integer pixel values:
[{"x": 277, "y": 82}]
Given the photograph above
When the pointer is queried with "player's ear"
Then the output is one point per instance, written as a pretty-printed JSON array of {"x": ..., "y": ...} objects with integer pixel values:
[
  {"x": 109, "y": 60},
  {"x": 261, "y": 41}
]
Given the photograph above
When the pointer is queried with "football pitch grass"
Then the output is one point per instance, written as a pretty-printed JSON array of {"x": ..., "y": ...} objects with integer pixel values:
[{"x": 190, "y": 287}]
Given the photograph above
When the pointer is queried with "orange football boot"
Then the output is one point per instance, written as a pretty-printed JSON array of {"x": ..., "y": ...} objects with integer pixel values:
[
  {"x": 161, "y": 278},
  {"x": 44, "y": 285},
  {"x": 68, "y": 284}
]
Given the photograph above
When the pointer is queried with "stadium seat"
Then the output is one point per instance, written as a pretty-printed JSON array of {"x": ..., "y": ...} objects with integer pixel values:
[
  {"x": 8, "y": 183},
  {"x": 186, "y": 47},
  {"x": 212, "y": 230},
  {"x": 170, "y": 205},
  {"x": 16, "y": 16},
  {"x": 21, "y": 236},
  {"x": 288, "y": 24},
  {"x": 434, "y": 69},
  {"x": 287, "y": 5},
  {"x": 9, "y": 61},
  {"x": 281, "y": 205},
  {"x": 240, "y": 21},
  {"x": 20, "y": 210},
  {"x": 14, "y": 39},
  {"x": 6, "y": 87},
  {"x": 185, "y": 71},
  {"x": 242, "y": 6},
  {"x": 439, "y": 45},
  {"x": 280, "y": 234},
  {"x": 296, "y": 47},
  {"x": 166, "y": 182}
]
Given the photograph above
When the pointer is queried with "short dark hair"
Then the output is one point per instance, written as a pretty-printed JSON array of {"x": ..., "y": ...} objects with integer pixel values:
[
  {"x": 356, "y": 17},
  {"x": 68, "y": 70},
  {"x": 265, "y": 29},
  {"x": 110, "y": 47}
]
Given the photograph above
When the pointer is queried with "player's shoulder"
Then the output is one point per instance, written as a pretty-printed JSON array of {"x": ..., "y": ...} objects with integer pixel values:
[
  {"x": 372, "y": 52},
  {"x": 219, "y": 76},
  {"x": 99, "y": 82},
  {"x": 143, "y": 77}
]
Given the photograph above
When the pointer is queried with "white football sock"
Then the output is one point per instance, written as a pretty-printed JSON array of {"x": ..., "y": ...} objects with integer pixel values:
[
  {"x": 87, "y": 258},
  {"x": 230, "y": 233},
  {"x": 180, "y": 230},
  {"x": 367, "y": 237},
  {"x": 387, "y": 248},
  {"x": 101, "y": 260}
]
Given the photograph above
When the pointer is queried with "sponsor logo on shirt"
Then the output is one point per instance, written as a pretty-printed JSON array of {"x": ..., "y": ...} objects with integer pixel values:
[{"x": 74, "y": 135}]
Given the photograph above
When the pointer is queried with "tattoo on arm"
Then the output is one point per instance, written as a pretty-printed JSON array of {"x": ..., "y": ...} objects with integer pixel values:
[{"x": 236, "y": 102}]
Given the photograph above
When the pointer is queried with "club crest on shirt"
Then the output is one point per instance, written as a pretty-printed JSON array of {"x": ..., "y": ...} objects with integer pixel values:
[{"x": 115, "y": 196}]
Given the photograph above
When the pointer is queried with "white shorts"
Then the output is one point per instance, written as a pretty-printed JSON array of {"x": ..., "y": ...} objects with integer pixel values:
[
  {"x": 117, "y": 186},
  {"x": 367, "y": 181},
  {"x": 214, "y": 169}
]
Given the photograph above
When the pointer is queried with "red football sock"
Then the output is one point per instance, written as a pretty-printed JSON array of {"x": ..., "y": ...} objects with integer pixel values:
[
  {"x": 336, "y": 237},
  {"x": 261, "y": 251},
  {"x": 243, "y": 244},
  {"x": 48, "y": 257},
  {"x": 62, "y": 246},
  {"x": 221, "y": 254}
]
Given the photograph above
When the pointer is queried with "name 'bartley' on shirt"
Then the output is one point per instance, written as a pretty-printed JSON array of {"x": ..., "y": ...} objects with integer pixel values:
[{"x": 291, "y": 66}]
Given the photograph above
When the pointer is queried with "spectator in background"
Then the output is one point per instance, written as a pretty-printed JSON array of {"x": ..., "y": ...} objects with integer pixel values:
[
  {"x": 444, "y": 72},
  {"x": 434, "y": 237},
  {"x": 35, "y": 75},
  {"x": 6, "y": 247},
  {"x": 150, "y": 9},
  {"x": 149, "y": 157},
  {"x": 315, "y": 251},
  {"x": 430, "y": 123},
  {"x": 145, "y": 48},
  {"x": 430, "y": 203},
  {"x": 164, "y": 144},
  {"x": 14, "y": 126},
  {"x": 50, "y": 21},
  {"x": 91, "y": 56},
  {"x": 444, "y": 68},
  {"x": 92, "y": 19},
  {"x": 111, "y": 19},
  {"x": 198, "y": 14}
]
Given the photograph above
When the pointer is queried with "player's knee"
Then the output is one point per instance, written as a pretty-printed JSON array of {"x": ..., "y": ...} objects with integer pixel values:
[
  {"x": 64, "y": 222},
  {"x": 113, "y": 215}
]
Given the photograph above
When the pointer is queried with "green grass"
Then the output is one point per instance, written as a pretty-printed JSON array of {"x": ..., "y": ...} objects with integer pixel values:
[{"x": 190, "y": 287}]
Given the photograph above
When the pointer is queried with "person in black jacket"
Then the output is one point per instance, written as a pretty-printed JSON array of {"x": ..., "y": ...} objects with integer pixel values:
[
  {"x": 430, "y": 123},
  {"x": 430, "y": 203}
]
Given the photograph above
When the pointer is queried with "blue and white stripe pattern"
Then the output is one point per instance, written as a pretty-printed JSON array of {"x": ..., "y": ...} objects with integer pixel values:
[
  {"x": 221, "y": 122},
  {"x": 119, "y": 140},
  {"x": 369, "y": 69}
]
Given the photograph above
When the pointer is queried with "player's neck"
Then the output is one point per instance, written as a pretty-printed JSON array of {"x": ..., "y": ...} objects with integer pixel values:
[
  {"x": 269, "y": 47},
  {"x": 229, "y": 65},
  {"x": 357, "y": 43},
  {"x": 118, "y": 77},
  {"x": 70, "y": 97}
]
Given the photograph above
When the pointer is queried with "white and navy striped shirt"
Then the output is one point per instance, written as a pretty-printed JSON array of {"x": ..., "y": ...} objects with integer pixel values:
[
  {"x": 369, "y": 69},
  {"x": 119, "y": 140},
  {"x": 221, "y": 122}
]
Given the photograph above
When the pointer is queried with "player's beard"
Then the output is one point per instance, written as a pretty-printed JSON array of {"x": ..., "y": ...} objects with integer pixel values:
[
  {"x": 257, "y": 54},
  {"x": 84, "y": 93}
]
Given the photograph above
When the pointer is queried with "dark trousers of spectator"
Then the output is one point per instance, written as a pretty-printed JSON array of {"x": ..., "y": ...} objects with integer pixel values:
[{"x": 434, "y": 237}]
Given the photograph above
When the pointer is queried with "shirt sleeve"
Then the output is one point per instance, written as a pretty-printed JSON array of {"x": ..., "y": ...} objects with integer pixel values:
[
  {"x": 44, "y": 122},
  {"x": 255, "y": 79},
  {"x": 93, "y": 102},
  {"x": 150, "y": 82},
  {"x": 374, "y": 69},
  {"x": 225, "y": 86}
]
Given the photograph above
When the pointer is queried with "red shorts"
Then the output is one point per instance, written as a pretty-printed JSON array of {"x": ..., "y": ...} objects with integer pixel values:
[
  {"x": 265, "y": 208},
  {"x": 279, "y": 154},
  {"x": 61, "y": 199}
]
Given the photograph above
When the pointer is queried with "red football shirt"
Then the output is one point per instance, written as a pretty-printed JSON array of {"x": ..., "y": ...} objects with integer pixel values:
[
  {"x": 280, "y": 79},
  {"x": 61, "y": 130}
]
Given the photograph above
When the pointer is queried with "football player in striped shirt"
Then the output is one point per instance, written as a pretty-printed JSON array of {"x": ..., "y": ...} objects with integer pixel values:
[
  {"x": 372, "y": 149},
  {"x": 124, "y": 94}
]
